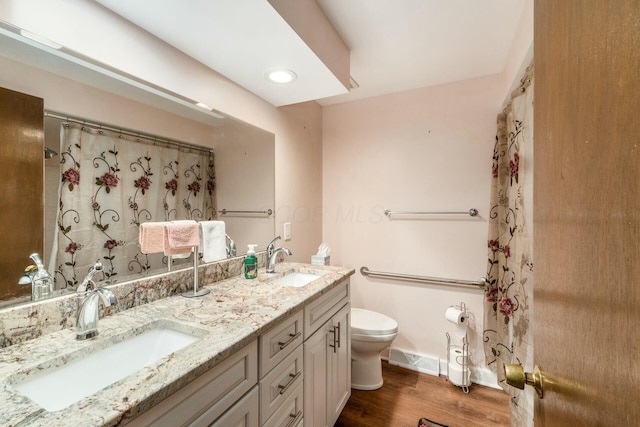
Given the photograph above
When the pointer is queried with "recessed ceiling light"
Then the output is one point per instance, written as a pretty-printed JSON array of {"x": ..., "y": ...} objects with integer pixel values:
[{"x": 280, "y": 75}]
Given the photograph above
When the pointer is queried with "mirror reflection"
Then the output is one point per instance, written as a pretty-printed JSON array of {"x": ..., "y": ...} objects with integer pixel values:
[{"x": 242, "y": 160}]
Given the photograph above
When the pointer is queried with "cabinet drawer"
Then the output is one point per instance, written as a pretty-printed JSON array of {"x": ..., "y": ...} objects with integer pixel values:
[
  {"x": 321, "y": 310},
  {"x": 243, "y": 414},
  {"x": 279, "y": 384},
  {"x": 279, "y": 342},
  {"x": 289, "y": 414},
  {"x": 204, "y": 399}
]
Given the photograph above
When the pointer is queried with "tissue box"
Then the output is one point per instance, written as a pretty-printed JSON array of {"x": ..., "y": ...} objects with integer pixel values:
[{"x": 320, "y": 260}]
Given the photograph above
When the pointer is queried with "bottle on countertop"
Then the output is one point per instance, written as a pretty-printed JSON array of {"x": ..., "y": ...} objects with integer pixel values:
[{"x": 251, "y": 263}]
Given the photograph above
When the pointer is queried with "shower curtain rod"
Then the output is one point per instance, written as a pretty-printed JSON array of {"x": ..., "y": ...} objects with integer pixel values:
[{"x": 129, "y": 132}]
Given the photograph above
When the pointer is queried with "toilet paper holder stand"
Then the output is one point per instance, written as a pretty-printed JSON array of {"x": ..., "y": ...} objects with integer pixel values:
[{"x": 461, "y": 360}]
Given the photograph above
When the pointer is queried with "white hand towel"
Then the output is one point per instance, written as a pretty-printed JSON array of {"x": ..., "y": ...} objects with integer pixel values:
[{"x": 213, "y": 243}]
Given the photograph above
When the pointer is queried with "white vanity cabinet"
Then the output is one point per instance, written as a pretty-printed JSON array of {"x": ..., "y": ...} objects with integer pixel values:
[
  {"x": 205, "y": 399},
  {"x": 244, "y": 413},
  {"x": 327, "y": 357},
  {"x": 297, "y": 372},
  {"x": 281, "y": 373}
]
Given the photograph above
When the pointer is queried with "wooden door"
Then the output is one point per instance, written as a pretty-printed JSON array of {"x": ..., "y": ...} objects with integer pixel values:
[
  {"x": 21, "y": 187},
  {"x": 587, "y": 211}
]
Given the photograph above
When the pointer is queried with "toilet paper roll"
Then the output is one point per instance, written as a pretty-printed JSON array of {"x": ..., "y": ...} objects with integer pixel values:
[
  {"x": 456, "y": 361},
  {"x": 455, "y": 316},
  {"x": 458, "y": 318},
  {"x": 456, "y": 375}
]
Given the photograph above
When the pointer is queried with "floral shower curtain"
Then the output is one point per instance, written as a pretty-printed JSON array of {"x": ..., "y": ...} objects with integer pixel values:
[
  {"x": 508, "y": 298},
  {"x": 110, "y": 184}
]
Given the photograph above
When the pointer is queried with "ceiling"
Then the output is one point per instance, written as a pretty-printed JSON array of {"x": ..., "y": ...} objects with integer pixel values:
[
  {"x": 408, "y": 44},
  {"x": 394, "y": 45}
]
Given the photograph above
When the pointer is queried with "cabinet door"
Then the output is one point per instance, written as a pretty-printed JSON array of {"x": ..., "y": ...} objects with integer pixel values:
[
  {"x": 339, "y": 367},
  {"x": 243, "y": 414},
  {"x": 316, "y": 352},
  {"x": 207, "y": 397}
]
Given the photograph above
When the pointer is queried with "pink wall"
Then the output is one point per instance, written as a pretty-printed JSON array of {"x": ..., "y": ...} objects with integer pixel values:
[
  {"x": 422, "y": 150},
  {"x": 339, "y": 167},
  {"x": 97, "y": 33}
]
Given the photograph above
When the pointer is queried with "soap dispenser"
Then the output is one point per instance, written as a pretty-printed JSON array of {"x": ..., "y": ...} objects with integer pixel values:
[
  {"x": 41, "y": 281},
  {"x": 251, "y": 263}
]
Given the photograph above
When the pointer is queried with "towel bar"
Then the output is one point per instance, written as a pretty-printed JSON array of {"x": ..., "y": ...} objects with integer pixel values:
[
  {"x": 470, "y": 212},
  {"x": 480, "y": 284},
  {"x": 268, "y": 212}
]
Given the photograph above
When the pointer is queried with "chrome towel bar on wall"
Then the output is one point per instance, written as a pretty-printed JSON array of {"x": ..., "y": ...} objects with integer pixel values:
[
  {"x": 479, "y": 284},
  {"x": 268, "y": 212},
  {"x": 470, "y": 212}
]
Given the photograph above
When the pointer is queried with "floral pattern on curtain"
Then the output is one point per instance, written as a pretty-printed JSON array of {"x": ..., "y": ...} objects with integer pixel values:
[
  {"x": 508, "y": 297},
  {"x": 110, "y": 184}
]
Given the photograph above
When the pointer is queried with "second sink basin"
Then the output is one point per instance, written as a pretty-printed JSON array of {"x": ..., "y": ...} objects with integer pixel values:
[
  {"x": 60, "y": 387},
  {"x": 297, "y": 279}
]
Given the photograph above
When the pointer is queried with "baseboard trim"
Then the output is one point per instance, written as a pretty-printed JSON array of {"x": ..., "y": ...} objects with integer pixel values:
[
  {"x": 415, "y": 362},
  {"x": 438, "y": 367}
]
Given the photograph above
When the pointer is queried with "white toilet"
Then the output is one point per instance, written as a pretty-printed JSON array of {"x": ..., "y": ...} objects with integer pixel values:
[{"x": 371, "y": 333}]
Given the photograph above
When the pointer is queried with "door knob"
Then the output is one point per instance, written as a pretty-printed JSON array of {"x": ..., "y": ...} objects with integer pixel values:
[{"x": 517, "y": 377}]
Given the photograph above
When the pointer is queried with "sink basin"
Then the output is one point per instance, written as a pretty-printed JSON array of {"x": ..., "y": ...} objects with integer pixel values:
[
  {"x": 60, "y": 387},
  {"x": 297, "y": 279}
]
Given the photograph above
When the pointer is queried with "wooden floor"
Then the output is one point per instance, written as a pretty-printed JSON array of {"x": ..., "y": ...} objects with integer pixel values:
[{"x": 408, "y": 396}]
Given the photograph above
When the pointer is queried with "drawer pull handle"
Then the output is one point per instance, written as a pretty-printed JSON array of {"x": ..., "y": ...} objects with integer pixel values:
[
  {"x": 296, "y": 419},
  {"x": 333, "y": 346},
  {"x": 292, "y": 338},
  {"x": 337, "y": 334},
  {"x": 284, "y": 388}
]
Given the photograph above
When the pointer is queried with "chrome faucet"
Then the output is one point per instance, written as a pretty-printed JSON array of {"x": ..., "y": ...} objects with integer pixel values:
[
  {"x": 231, "y": 247},
  {"x": 40, "y": 279},
  {"x": 271, "y": 247},
  {"x": 273, "y": 258},
  {"x": 88, "y": 304}
]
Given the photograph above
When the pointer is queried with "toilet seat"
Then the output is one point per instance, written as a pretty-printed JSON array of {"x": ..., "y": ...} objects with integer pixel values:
[{"x": 370, "y": 323}]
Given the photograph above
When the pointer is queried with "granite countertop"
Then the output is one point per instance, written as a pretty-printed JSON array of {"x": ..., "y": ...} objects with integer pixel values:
[{"x": 235, "y": 312}]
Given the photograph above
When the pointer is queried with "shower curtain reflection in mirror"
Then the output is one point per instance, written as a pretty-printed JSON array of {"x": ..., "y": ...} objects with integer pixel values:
[{"x": 110, "y": 184}]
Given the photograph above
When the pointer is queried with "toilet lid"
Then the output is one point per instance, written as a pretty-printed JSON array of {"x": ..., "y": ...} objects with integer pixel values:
[{"x": 366, "y": 322}]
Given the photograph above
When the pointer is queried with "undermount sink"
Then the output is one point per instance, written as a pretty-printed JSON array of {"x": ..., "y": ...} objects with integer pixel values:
[
  {"x": 297, "y": 279},
  {"x": 59, "y": 387}
]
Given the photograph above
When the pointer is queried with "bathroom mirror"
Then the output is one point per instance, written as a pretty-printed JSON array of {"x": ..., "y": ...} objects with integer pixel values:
[{"x": 244, "y": 154}]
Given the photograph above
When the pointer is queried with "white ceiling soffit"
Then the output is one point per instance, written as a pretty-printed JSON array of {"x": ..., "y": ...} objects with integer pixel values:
[
  {"x": 84, "y": 70},
  {"x": 240, "y": 39},
  {"x": 408, "y": 44}
]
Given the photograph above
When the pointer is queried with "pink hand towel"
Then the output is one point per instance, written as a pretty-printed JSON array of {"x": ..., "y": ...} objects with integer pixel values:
[
  {"x": 151, "y": 237},
  {"x": 181, "y": 236}
]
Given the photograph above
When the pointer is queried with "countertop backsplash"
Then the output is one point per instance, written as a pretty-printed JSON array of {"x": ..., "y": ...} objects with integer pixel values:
[
  {"x": 232, "y": 316},
  {"x": 32, "y": 320}
]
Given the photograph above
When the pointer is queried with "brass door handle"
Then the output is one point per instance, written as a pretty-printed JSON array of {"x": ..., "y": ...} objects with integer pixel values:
[{"x": 517, "y": 377}]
